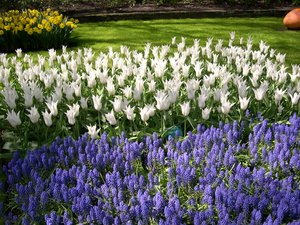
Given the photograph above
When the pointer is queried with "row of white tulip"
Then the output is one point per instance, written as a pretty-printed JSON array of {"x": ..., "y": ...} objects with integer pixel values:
[{"x": 200, "y": 82}]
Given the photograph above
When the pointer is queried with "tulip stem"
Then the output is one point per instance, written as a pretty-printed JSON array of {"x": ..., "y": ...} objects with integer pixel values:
[
  {"x": 189, "y": 119},
  {"x": 99, "y": 124}
]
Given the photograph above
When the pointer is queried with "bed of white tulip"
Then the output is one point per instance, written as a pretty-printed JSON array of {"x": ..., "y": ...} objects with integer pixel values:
[{"x": 141, "y": 92}]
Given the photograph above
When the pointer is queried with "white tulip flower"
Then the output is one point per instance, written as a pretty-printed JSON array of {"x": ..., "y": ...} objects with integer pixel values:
[
  {"x": 261, "y": 91},
  {"x": 241, "y": 40},
  {"x": 47, "y": 118},
  {"x": 10, "y": 97},
  {"x": 69, "y": 91},
  {"x": 295, "y": 98},
  {"x": 110, "y": 87},
  {"x": 83, "y": 102},
  {"x": 144, "y": 112},
  {"x": 77, "y": 89},
  {"x": 279, "y": 93},
  {"x": 280, "y": 58},
  {"x": 129, "y": 112},
  {"x": 151, "y": 109},
  {"x": 185, "y": 70},
  {"x": 111, "y": 118},
  {"x": 33, "y": 115},
  {"x": 93, "y": 132},
  {"x": 137, "y": 94},
  {"x": 71, "y": 116},
  {"x": 57, "y": 94},
  {"x": 52, "y": 106},
  {"x": 75, "y": 108},
  {"x": 294, "y": 76},
  {"x": 173, "y": 40},
  {"x": 151, "y": 85},
  {"x": 226, "y": 106},
  {"x": 202, "y": 100},
  {"x": 13, "y": 118},
  {"x": 162, "y": 100},
  {"x": 127, "y": 91},
  {"x": 91, "y": 79},
  {"x": 244, "y": 101},
  {"x": 19, "y": 52},
  {"x": 206, "y": 113},
  {"x": 242, "y": 88},
  {"x": 97, "y": 102},
  {"x": 185, "y": 108},
  {"x": 117, "y": 104}
]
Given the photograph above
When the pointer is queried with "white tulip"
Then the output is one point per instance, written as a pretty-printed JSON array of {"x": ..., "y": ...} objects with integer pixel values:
[
  {"x": 69, "y": 91},
  {"x": 162, "y": 100},
  {"x": 19, "y": 52},
  {"x": 111, "y": 118},
  {"x": 202, "y": 100},
  {"x": 144, "y": 113},
  {"x": 83, "y": 102},
  {"x": 279, "y": 95},
  {"x": 241, "y": 40},
  {"x": 205, "y": 113},
  {"x": 244, "y": 101},
  {"x": 57, "y": 94},
  {"x": 13, "y": 118},
  {"x": 97, "y": 102},
  {"x": 226, "y": 106},
  {"x": 151, "y": 109},
  {"x": 93, "y": 132},
  {"x": 295, "y": 98},
  {"x": 185, "y": 70},
  {"x": 129, "y": 112},
  {"x": 52, "y": 106},
  {"x": 75, "y": 108},
  {"x": 117, "y": 104},
  {"x": 47, "y": 118},
  {"x": 110, "y": 87},
  {"x": 91, "y": 79},
  {"x": 127, "y": 91},
  {"x": 173, "y": 40},
  {"x": 77, "y": 89},
  {"x": 151, "y": 85},
  {"x": 185, "y": 108},
  {"x": 33, "y": 115},
  {"x": 242, "y": 88},
  {"x": 10, "y": 97},
  {"x": 261, "y": 91},
  {"x": 71, "y": 116},
  {"x": 137, "y": 94},
  {"x": 280, "y": 58},
  {"x": 294, "y": 76}
]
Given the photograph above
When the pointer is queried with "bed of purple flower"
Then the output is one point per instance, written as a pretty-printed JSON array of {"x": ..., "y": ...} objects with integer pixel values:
[{"x": 220, "y": 175}]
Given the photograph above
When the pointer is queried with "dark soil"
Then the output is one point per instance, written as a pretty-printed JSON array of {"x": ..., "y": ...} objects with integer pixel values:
[{"x": 93, "y": 8}]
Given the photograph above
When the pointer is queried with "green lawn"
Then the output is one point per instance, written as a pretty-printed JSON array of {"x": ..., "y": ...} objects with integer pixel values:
[{"x": 136, "y": 33}]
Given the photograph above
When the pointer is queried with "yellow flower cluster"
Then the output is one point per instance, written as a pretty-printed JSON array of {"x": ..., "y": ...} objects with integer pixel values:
[{"x": 34, "y": 21}]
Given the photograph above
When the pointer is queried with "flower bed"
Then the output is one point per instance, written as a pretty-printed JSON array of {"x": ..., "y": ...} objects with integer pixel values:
[
  {"x": 211, "y": 177},
  {"x": 143, "y": 92},
  {"x": 33, "y": 29}
]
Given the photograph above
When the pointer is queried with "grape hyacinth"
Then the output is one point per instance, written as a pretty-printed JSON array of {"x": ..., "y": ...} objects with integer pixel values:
[{"x": 215, "y": 176}]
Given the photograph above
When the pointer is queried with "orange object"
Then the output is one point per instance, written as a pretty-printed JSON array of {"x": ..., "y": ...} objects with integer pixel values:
[{"x": 292, "y": 19}]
